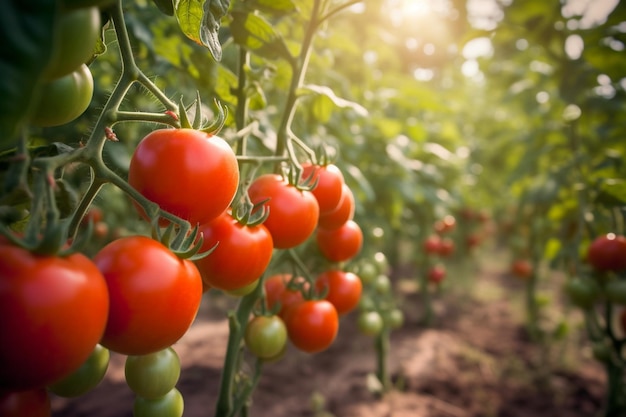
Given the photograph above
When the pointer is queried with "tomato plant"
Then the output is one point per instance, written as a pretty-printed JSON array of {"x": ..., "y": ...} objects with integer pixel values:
[
  {"x": 242, "y": 253},
  {"x": 293, "y": 213},
  {"x": 53, "y": 310},
  {"x": 608, "y": 253},
  {"x": 187, "y": 172},
  {"x": 266, "y": 336},
  {"x": 343, "y": 289},
  {"x": 344, "y": 211},
  {"x": 154, "y": 295},
  {"x": 33, "y": 402},
  {"x": 329, "y": 181},
  {"x": 85, "y": 378},
  {"x": 312, "y": 325},
  {"x": 63, "y": 99},
  {"x": 153, "y": 375},
  {"x": 341, "y": 244}
]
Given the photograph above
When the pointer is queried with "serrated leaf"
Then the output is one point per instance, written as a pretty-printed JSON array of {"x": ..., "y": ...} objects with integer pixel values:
[
  {"x": 26, "y": 32},
  {"x": 327, "y": 92},
  {"x": 200, "y": 21},
  {"x": 257, "y": 35}
]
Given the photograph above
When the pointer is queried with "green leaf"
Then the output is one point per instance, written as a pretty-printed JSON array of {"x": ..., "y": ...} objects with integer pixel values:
[
  {"x": 257, "y": 35},
  {"x": 200, "y": 21},
  {"x": 275, "y": 7},
  {"x": 329, "y": 94},
  {"x": 612, "y": 193},
  {"x": 26, "y": 31}
]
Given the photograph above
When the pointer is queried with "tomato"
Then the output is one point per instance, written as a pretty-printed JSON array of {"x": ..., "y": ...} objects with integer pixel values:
[
  {"x": 241, "y": 256},
  {"x": 608, "y": 253},
  {"x": 367, "y": 271},
  {"x": 342, "y": 213},
  {"x": 521, "y": 268},
  {"x": 266, "y": 336},
  {"x": 382, "y": 285},
  {"x": 432, "y": 244},
  {"x": 446, "y": 247},
  {"x": 381, "y": 261},
  {"x": 366, "y": 303},
  {"x": 186, "y": 172},
  {"x": 154, "y": 295},
  {"x": 342, "y": 244},
  {"x": 153, "y": 375},
  {"x": 170, "y": 405},
  {"x": 312, "y": 325},
  {"x": 329, "y": 188},
  {"x": 85, "y": 378},
  {"x": 394, "y": 318},
  {"x": 437, "y": 273},
  {"x": 30, "y": 403},
  {"x": 445, "y": 225},
  {"x": 63, "y": 99},
  {"x": 615, "y": 290},
  {"x": 75, "y": 35},
  {"x": 293, "y": 213},
  {"x": 370, "y": 323},
  {"x": 53, "y": 311},
  {"x": 343, "y": 289},
  {"x": 278, "y": 292},
  {"x": 583, "y": 292}
]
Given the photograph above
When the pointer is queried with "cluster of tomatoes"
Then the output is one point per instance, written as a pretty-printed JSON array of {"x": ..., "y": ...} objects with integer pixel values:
[
  {"x": 441, "y": 245},
  {"x": 66, "y": 85}
]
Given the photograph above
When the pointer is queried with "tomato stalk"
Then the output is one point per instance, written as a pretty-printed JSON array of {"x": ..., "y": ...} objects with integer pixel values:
[{"x": 382, "y": 345}]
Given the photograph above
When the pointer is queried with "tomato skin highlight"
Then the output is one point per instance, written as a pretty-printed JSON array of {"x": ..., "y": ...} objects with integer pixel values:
[
  {"x": 154, "y": 295},
  {"x": 328, "y": 191},
  {"x": 241, "y": 256},
  {"x": 341, "y": 244},
  {"x": 608, "y": 253},
  {"x": 344, "y": 289},
  {"x": 186, "y": 172},
  {"x": 293, "y": 213},
  {"x": 30, "y": 403},
  {"x": 312, "y": 325},
  {"x": 53, "y": 310},
  {"x": 342, "y": 213}
]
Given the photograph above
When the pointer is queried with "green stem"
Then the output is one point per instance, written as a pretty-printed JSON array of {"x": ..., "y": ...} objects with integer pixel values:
[
  {"x": 382, "y": 344},
  {"x": 241, "y": 112},
  {"x": 614, "y": 406},
  {"x": 426, "y": 295}
]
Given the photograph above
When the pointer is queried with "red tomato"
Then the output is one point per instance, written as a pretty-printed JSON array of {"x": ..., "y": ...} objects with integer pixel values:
[
  {"x": 53, "y": 311},
  {"x": 293, "y": 213},
  {"x": 344, "y": 289},
  {"x": 30, "y": 403},
  {"x": 608, "y": 253},
  {"x": 445, "y": 225},
  {"x": 312, "y": 325},
  {"x": 432, "y": 244},
  {"x": 340, "y": 244},
  {"x": 328, "y": 190},
  {"x": 277, "y": 291},
  {"x": 436, "y": 274},
  {"x": 521, "y": 268},
  {"x": 186, "y": 172},
  {"x": 241, "y": 256},
  {"x": 155, "y": 296},
  {"x": 341, "y": 214},
  {"x": 446, "y": 247}
]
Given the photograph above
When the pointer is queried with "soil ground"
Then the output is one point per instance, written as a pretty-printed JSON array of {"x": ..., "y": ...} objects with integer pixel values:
[{"x": 476, "y": 360}]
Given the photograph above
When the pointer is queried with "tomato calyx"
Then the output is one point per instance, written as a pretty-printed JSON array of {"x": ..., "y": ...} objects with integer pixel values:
[{"x": 184, "y": 243}]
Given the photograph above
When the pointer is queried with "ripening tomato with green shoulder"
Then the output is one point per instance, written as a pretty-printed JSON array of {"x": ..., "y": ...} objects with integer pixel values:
[
  {"x": 154, "y": 295},
  {"x": 85, "y": 378},
  {"x": 187, "y": 172},
  {"x": 279, "y": 292},
  {"x": 608, "y": 253},
  {"x": 341, "y": 244},
  {"x": 312, "y": 325},
  {"x": 34, "y": 402},
  {"x": 343, "y": 289},
  {"x": 266, "y": 336},
  {"x": 53, "y": 310},
  {"x": 293, "y": 213},
  {"x": 241, "y": 255},
  {"x": 341, "y": 214},
  {"x": 62, "y": 100},
  {"x": 329, "y": 188},
  {"x": 153, "y": 375}
]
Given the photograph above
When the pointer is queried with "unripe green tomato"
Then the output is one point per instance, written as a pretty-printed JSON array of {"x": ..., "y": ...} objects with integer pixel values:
[
  {"x": 367, "y": 271},
  {"x": 63, "y": 99},
  {"x": 382, "y": 284},
  {"x": 266, "y": 336},
  {"x": 169, "y": 405},
  {"x": 370, "y": 323},
  {"x": 616, "y": 291},
  {"x": 85, "y": 378},
  {"x": 394, "y": 319},
  {"x": 76, "y": 32},
  {"x": 582, "y": 292},
  {"x": 153, "y": 375},
  {"x": 381, "y": 262},
  {"x": 366, "y": 303}
]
